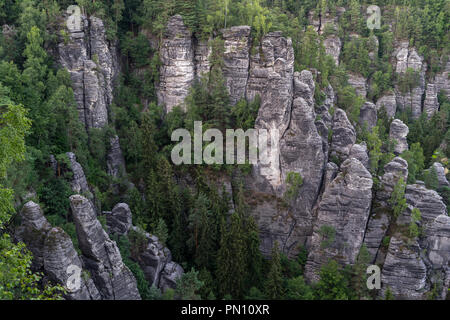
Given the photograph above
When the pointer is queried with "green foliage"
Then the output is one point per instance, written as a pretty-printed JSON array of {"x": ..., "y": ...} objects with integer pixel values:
[
  {"x": 333, "y": 285},
  {"x": 188, "y": 286},
  {"x": 294, "y": 181},
  {"x": 297, "y": 289},
  {"x": 415, "y": 158},
  {"x": 413, "y": 227},
  {"x": 274, "y": 283},
  {"x": 161, "y": 231},
  {"x": 328, "y": 234},
  {"x": 397, "y": 200},
  {"x": 431, "y": 179}
]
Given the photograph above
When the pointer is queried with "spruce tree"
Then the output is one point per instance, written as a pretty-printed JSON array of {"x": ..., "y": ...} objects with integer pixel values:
[{"x": 274, "y": 282}]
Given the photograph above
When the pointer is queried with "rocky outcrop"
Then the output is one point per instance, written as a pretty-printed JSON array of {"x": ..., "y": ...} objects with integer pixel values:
[
  {"x": 101, "y": 255},
  {"x": 442, "y": 80},
  {"x": 33, "y": 231},
  {"x": 156, "y": 261},
  {"x": 431, "y": 103},
  {"x": 341, "y": 218},
  {"x": 359, "y": 151},
  {"x": 333, "y": 46},
  {"x": 429, "y": 202},
  {"x": 79, "y": 183},
  {"x": 408, "y": 58},
  {"x": 203, "y": 52},
  {"x": 389, "y": 102},
  {"x": 343, "y": 137},
  {"x": 358, "y": 82},
  {"x": 93, "y": 66},
  {"x": 368, "y": 115},
  {"x": 119, "y": 220},
  {"x": 440, "y": 171},
  {"x": 404, "y": 272},
  {"x": 177, "y": 70},
  {"x": 236, "y": 60},
  {"x": 53, "y": 252},
  {"x": 59, "y": 257},
  {"x": 417, "y": 268},
  {"x": 272, "y": 79},
  {"x": 398, "y": 133},
  {"x": 380, "y": 216},
  {"x": 301, "y": 152},
  {"x": 115, "y": 160}
]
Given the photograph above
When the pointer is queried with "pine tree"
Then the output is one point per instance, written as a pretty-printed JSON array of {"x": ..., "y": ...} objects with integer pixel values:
[
  {"x": 274, "y": 282},
  {"x": 231, "y": 263}
]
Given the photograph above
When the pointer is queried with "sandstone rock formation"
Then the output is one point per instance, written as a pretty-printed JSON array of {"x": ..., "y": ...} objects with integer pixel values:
[
  {"x": 119, "y": 221},
  {"x": 101, "y": 255},
  {"x": 358, "y": 82},
  {"x": 93, "y": 66},
  {"x": 440, "y": 171},
  {"x": 389, "y": 102},
  {"x": 177, "y": 69},
  {"x": 344, "y": 135},
  {"x": 344, "y": 210},
  {"x": 408, "y": 58},
  {"x": 115, "y": 160},
  {"x": 379, "y": 219},
  {"x": 156, "y": 262},
  {"x": 398, "y": 133},
  {"x": 53, "y": 252},
  {"x": 79, "y": 183},
  {"x": 236, "y": 60},
  {"x": 368, "y": 115}
]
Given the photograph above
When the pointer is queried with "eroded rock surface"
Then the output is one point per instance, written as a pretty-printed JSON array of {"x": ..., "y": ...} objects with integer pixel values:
[
  {"x": 177, "y": 70},
  {"x": 398, "y": 133},
  {"x": 343, "y": 211},
  {"x": 101, "y": 255},
  {"x": 93, "y": 66}
]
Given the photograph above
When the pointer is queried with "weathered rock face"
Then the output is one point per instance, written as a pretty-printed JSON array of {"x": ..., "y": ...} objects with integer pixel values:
[
  {"x": 333, "y": 46},
  {"x": 344, "y": 208},
  {"x": 271, "y": 67},
  {"x": 177, "y": 69},
  {"x": 236, "y": 61},
  {"x": 358, "y": 82},
  {"x": 398, "y": 132},
  {"x": 442, "y": 80},
  {"x": 101, "y": 255},
  {"x": 156, "y": 262},
  {"x": 115, "y": 160},
  {"x": 272, "y": 79},
  {"x": 120, "y": 219},
  {"x": 440, "y": 171},
  {"x": 301, "y": 151},
  {"x": 59, "y": 257},
  {"x": 344, "y": 135},
  {"x": 429, "y": 202},
  {"x": 93, "y": 66},
  {"x": 409, "y": 58},
  {"x": 431, "y": 103},
  {"x": 368, "y": 115},
  {"x": 202, "y": 53},
  {"x": 379, "y": 219},
  {"x": 404, "y": 272},
  {"x": 33, "y": 231},
  {"x": 53, "y": 251},
  {"x": 359, "y": 151},
  {"x": 416, "y": 266},
  {"x": 389, "y": 102},
  {"x": 437, "y": 246},
  {"x": 79, "y": 183}
]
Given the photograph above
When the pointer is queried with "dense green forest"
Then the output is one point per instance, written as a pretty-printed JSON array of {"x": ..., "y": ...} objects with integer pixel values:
[{"x": 219, "y": 252}]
